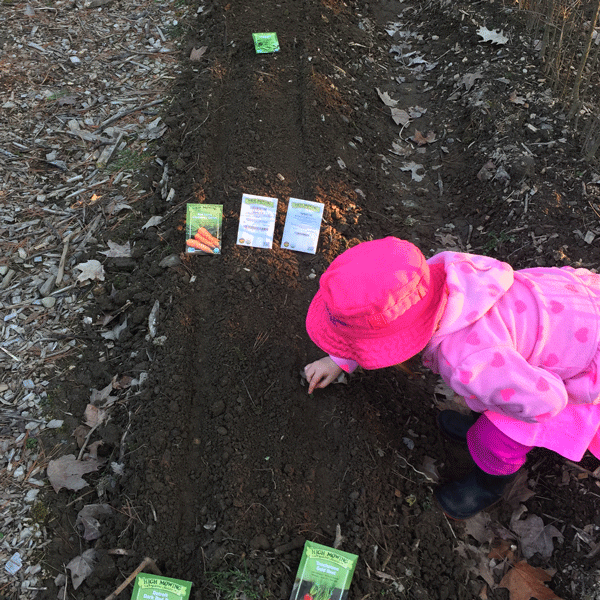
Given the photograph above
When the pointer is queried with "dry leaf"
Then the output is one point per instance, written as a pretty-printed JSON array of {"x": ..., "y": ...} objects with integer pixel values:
[
  {"x": 525, "y": 582},
  {"x": 198, "y": 53},
  {"x": 385, "y": 98},
  {"x": 99, "y": 396},
  {"x": 80, "y": 433},
  {"x": 430, "y": 470},
  {"x": 476, "y": 562},
  {"x": 517, "y": 491},
  {"x": 88, "y": 518},
  {"x": 421, "y": 140},
  {"x": 414, "y": 168},
  {"x": 469, "y": 80},
  {"x": 502, "y": 550},
  {"x": 517, "y": 99},
  {"x": 115, "y": 332},
  {"x": 401, "y": 149},
  {"x": 535, "y": 537},
  {"x": 478, "y": 527},
  {"x": 90, "y": 269},
  {"x": 93, "y": 416},
  {"x": 401, "y": 117},
  {"x": 116, "y": 250},
  {"x": 152, "y": 222},
  {"x": 92, "y": 449},
  {"x": 448, "y": 240},
  {"x": 82, "y": 566},
  {"x": 67, "y": 471},
  {"x": 494, "y": 36},
  {"x": 416, "y": 111}
]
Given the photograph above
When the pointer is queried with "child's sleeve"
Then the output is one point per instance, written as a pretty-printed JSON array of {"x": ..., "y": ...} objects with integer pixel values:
[
  {"x": 346, "y": 364},
  {"x": 502, "y": 381}
]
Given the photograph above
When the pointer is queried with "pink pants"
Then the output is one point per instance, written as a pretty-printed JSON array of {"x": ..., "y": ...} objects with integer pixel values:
[{"x": 493, "y": 451}]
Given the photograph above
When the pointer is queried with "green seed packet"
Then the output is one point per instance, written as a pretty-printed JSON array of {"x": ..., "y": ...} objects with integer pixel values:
[
  {"x": 324, "y": 573},
  {"x": 156, "y": 587},
  {"x": 265, "y": 42},
  {"x": 203, "y": 225}
]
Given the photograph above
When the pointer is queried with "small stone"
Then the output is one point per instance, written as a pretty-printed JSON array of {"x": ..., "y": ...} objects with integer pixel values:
[
  {"x": 49, "y": 301},
  {"x": 48, "y": 286},
  {"x": 218, "y": 408}
]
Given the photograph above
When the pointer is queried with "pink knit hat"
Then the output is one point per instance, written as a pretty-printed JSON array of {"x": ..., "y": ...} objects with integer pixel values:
[{"x": 378, "y": 303}]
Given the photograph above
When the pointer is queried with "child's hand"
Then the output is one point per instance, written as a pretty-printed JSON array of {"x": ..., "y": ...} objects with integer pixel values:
[{"x": 321, "y": 373}]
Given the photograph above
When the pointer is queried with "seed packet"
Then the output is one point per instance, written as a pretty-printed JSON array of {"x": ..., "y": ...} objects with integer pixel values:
[
  {"x": 257, "y": 221},
  {"x": 265, "y": 43},
  {"x": 203, "y": 225},
  {"x": 157, "y": 587},
  {"x": 324, "y": 573},
  {"x": 302, "y": 225}
]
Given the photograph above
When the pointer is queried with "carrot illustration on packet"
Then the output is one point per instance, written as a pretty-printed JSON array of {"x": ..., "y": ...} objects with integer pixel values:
[
  {"x": 203, "y": 228},
  {"x": 204, "y": 236}
]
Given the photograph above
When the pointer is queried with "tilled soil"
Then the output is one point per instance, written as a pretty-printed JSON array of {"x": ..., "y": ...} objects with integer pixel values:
[{"x": 229, "y": 464}]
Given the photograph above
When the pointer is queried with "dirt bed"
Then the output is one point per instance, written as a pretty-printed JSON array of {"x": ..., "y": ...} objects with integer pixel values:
[{"x": 228, "y": 464}]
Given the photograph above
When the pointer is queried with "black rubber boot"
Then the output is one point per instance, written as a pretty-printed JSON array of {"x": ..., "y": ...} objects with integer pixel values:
[
  {"x": 454, "y": 425},
  {"x": 477, "y": 491}
]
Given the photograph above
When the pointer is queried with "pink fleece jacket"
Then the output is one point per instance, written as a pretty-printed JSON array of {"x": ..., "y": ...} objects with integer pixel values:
[{"x": 523, "y": 348}]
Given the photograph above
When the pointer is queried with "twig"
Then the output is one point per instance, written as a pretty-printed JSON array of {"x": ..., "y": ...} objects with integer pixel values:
[
  {"x": 87, "y": 439},
  {"x": 449, "y": 525},
  {"x": 10, "y": 354},
  {"x": 63, "y": 258},
  {"x": 583, "y": 469},
  {"x": 80, "y": 497},
  {"x": 147, "y": 562},
  {"x": 124, "y": 113}
]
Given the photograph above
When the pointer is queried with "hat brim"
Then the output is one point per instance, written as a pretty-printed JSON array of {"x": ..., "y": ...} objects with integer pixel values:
[{"x": 386, "y": 349}]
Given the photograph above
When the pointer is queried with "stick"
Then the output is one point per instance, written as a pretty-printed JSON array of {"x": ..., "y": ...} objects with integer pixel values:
[
  {"x": 63, "y": 258},
  {"x": 147, "y": 562},
  {"x": 124, "y": 113}
]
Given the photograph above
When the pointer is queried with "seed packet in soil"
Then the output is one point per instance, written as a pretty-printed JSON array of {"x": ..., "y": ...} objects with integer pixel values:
[
  {"x": 156, "y": 587},
  {"x": 257, "y": 221},
  {"x": 265, "y": 42},
  {"x": 324, "y": 573},
  {"x": 302, "y": 225},
  {"x": 203, "y": 225}
]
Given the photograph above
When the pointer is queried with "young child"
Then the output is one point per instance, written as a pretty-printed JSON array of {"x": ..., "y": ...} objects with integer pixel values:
[{"x": 521, "y": 347}]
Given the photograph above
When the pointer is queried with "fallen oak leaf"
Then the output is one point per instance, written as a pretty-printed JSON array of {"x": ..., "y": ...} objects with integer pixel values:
[
  {"x": 494, "y": 36},
  {"x": 91, "y": 269},
  {"x": 525, "y": 582}
]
